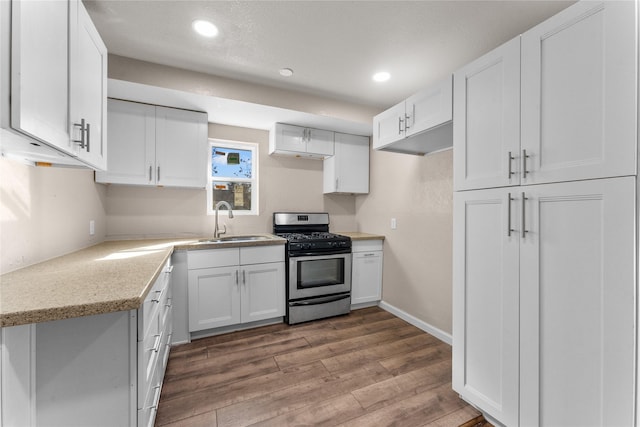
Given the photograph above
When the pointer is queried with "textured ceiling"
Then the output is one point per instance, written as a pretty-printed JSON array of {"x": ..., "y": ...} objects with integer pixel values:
[{"x": 333, "y": 46}]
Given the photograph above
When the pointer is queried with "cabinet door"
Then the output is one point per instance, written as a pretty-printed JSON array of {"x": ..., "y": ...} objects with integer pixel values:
[
  {"x": 214, "y": 297},
  {"x": 579, "y": 88},
  {"x": 39, "y": 71},
  {"x": 88, "y": 97},
  {"x": 289, "y": 138},
  {"x": 347, "y": 171},
  {"x": 577, "y": 304},
  {"x": 262, "y": 291},
  {"x": 485, "y": 301},
  {"x": 320, "y": 142},
  {"x": 181, "y": 148},
  {"x": 486, "y": 125},
  {"x": 430, "y": 107},
  {"x": 388, "y": 126},
  {"x": 132, "y": 135},
  {"x": 366, "y": 274}
]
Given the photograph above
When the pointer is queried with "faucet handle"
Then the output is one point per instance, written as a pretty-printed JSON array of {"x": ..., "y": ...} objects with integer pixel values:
[{"x": 225, "y": 229}]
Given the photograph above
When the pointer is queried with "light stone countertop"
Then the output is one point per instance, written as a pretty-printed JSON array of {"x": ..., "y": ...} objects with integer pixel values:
[
  {"x": 108, "y": 277},
  {"x": 356, "y": 235}
]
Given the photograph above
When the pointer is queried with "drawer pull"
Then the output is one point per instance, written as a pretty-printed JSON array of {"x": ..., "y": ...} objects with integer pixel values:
[
  {"x": 156, "y": 398},
  {"x": 156, "y": 344},
  {"x": 157, "y": 300},
  {"x": 169, "y": 270}
]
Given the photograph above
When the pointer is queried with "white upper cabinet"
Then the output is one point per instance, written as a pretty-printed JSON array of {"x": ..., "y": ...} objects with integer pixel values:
[
  {"x": 58, "y": 78},
  {"x": 347, "y": 171},
  {"x": 40, "y": 100},
  {"x": 181, "y": 141},
  {"x": 486, "y": 125},
  {"x": 297, "y": 141},
  {"x": 88, "y": 105},
  {"x": 579, "y": 88},
  {"x": 152, "y": 145},
  {"x": 419, "y": 125},
  {"x": 557, "y": 105},
  {"x": 132, "y": 136}
]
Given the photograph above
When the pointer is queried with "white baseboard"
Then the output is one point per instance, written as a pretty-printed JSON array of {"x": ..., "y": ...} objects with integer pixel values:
[{"x": 430, "y": 329}]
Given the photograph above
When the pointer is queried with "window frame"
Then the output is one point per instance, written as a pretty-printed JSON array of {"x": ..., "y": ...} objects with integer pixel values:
[{"x": 240, "y": 145}]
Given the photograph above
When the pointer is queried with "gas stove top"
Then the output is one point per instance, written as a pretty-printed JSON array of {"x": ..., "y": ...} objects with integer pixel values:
[
  {"x": 308, "y": 232},
  {"x": 315, "y": 235}
]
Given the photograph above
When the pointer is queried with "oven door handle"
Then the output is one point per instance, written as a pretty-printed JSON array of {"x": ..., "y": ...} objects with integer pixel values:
[{"x": 318, "y": 301}]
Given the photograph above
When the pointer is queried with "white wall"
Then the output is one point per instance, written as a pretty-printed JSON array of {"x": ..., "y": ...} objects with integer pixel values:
[
  {"x": 284, "y": 184},
  {"x": 418, "y": 192},
  {"x": 45, "y": 213}
]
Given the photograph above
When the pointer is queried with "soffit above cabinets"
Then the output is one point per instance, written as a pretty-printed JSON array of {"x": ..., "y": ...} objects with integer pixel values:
[{"x": 231, "y": 112}]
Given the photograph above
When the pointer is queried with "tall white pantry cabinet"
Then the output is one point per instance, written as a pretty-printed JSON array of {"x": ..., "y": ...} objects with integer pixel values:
[{"x": 545, "y": 222}]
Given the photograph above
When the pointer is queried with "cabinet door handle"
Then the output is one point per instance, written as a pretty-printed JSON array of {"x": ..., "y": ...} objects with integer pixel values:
[
  {"x": 237, "y": 278},
  {"x": 88, "y": 130},
  {"x": 150, "y": 167},
  {"x": 406, "y": 122},
  {"x": 80, "y": 141},
  {"x": 510, "y": 171},
  {"x": 509, "y": 229},
  {"x": 524, "y": 228},
  {"x": 370, "y": 254},
  {"x": 336, "y": 184},
  {"x": 158, "y": 174},
  {"x": 244, "y": 278},
  {"x": 525, "y": 156},
  {"x": 400, "y": 121}
]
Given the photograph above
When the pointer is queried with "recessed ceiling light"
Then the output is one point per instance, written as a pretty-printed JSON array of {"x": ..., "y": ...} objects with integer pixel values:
[
  {"x": 204, "y": 28},
  {"x": 286, "y": 72},
  {"x": 382, "y": 76}
]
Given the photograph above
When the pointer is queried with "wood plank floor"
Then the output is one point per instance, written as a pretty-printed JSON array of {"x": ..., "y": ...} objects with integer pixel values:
[{"x": 368, "y": 368}]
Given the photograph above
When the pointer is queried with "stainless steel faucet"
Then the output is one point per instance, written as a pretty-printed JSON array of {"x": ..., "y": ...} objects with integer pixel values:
[{"x": 216, "y": 229}]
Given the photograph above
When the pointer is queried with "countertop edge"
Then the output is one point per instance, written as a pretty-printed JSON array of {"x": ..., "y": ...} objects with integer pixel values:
[{"x": 61, "y": 312}]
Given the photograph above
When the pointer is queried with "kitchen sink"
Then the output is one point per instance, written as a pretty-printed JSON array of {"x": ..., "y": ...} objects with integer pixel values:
[{"x": 245, "y": 238}]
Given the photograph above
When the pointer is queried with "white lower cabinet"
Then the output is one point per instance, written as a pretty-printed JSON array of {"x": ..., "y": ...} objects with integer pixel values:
[
  {"x": 101, "y": 370},
  {"x": 544, "y": 312},
  {"x": 366, "y": 271},
  {"x": 230, "y": 286}
]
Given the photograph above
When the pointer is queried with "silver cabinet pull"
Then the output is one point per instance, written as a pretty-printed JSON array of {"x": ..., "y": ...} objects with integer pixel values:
[
  {"x": 400, "y": 121},
  {"x": 244, "y": 278},
  {"x": 237, "y": 282},
  {"x": 525, "y": 156},
  {"x": 158, "y": 174},
  {"x": 406, "y": 122},
  {"x": 150, "y": 167},
  {"x": 524, "y": 228},
  {"x": 80, "y": 141},
  {"x": 88, "y": 129},
  {"x": 336, "y": 184},
  {"x": 509, "y": 229},
  {"x": 511, "y": 172}
]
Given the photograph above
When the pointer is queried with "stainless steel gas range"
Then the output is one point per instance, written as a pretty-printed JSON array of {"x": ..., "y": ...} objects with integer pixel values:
[{"x": 318, "y": 266}]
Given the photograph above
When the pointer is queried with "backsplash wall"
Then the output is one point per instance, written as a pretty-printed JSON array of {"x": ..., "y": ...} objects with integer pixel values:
[
  {"x": 284, "y": 184},
  {"x": 45, "y": 213}
]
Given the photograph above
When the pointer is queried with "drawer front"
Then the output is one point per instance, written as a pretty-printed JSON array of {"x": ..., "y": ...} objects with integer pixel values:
[
  {"x": 213, "y": 258},
  {"x": 148, "y": 354},
  {"x": 148, "y": 406},
  {"x": 149, "y": 309},
  {"x": 261, "y": 254},
  {"x": 366, "y": 245}
]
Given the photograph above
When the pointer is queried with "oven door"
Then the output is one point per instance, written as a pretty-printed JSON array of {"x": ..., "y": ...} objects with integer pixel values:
[{"x": 315, "y": 275}]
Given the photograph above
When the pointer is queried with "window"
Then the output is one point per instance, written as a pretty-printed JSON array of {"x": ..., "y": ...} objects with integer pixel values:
[{"x": 233, "y": 176}]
